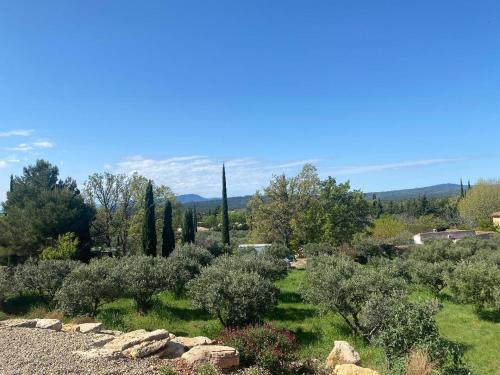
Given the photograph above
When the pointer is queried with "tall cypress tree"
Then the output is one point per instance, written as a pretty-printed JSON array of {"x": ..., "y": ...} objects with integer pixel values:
[
  {"x": 462, "y": 191},
  {"x": 168, "y": 236},
  {"x": 225, "y": 214},
  {"x": 468, "y": 185},
  {"x": 195, "y": 219},
  {"x": 149, "y": 225},
  {"x": 188, "y": 235}
]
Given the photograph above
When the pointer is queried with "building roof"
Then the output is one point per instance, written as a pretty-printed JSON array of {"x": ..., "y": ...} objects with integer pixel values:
[{"x": 495, "y": 214}]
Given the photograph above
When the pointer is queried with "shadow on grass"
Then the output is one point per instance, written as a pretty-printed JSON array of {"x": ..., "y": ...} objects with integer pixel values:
[
  {"x": 21, "y": 305},
  {"x": 291, "y": 314},
  {"x": 290, "y": 297},
  {"x": 165, "y": 311},
  {"x": 490, "y": 315},
  {"x": 112, "y": 318},
  {"x": 307, "y": 338}
]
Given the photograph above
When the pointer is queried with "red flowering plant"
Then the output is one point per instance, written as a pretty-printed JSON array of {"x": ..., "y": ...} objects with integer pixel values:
[{"x": 265, "y": 346}]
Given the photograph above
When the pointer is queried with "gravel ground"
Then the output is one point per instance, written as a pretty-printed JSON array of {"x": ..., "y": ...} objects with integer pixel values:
[{"x": 37, "y": 351}]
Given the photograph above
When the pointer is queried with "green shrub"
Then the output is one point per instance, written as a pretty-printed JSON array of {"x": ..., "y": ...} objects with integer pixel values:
[
  {"x": 6, "y": 286},
  {"x": 183, "y": 265},
  {"x": 168, "y": 370},
  {"x": 265, "y": 346},
  {"x": 412, "y": 326},
  {"x": 476, "y": 282},
  {"x": 387, "y": 226},
  {"x": 276, "y": 251},
  {"x": 206, "y": 369},
  {"x": 143, "y": 277},
  {"x": 234, "y": 297},
  {"x": 65, "y": 248},
  {"x": 44, "y": 277},
  {"x": 87, "y": 287},
  {"x": 433, "y": 275},
  {"x": 338, "y": 284},
  {"x": 269, "y": 268},
  {"x": 316, "y": 249},
  {"x": 370, "y": 247}
]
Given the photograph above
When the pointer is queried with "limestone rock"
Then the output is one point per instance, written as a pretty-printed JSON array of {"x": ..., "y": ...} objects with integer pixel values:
[
  {"x": 343, "y": 353},
  {"x": 100, "y": 340},
  {"x": 172, "y": 350},
  {"x": 53, "y": 324},
  {"x": 88, "y": 327},
  {"x": 223, "y": 357},
  {"x": 110, "y": 332},
  {"x": 350, "y": 369},
  {"x": 99, "y": 353},
  {"x": 191, "y": 342},
  {"x": 146, "y": 348},
  {"x": 133, "y": 338},
  {"x": 69, "y": 327},
  {"x": 16, "y": 323}
]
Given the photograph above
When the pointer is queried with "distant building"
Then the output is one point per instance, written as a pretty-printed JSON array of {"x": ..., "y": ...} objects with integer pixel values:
[
  {"x": 496, "y": 218},
  {"x": 453, "y": 235},
  {"x": 258, "y": 247}
]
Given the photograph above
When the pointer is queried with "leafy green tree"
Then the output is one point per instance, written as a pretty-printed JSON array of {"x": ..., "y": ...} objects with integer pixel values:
[
  {"x": 480, "y": 202},
  {"x": 149, "y": 226},
  {"x": 168, "y": 236},
  {"x": 188, "y": 233},
  {"x": 387, "y": 227},
  {"x": 225, "y": 215},
  {"x": 40, "y": 207},
  {"x": 65, "y": 248}
]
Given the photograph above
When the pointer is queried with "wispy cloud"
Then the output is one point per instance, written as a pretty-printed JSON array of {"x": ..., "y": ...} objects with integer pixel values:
[
  {"x": 28, "y": 146},
  {"x": 349, "y": 170},
  {"x": 16, "y": 133},
  {"x": 202, "y": 175},
  {"x": 5, "y": 162}
]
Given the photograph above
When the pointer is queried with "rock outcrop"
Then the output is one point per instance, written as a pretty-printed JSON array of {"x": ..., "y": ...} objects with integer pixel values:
[
  {"x": 343, "y": 353},
  {"x": 223, "y": 357},
  {"x": 350, "y": 369}
]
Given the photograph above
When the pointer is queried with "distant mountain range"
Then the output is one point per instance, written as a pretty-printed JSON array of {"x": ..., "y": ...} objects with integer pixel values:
[{"x": 234, "y": 203}]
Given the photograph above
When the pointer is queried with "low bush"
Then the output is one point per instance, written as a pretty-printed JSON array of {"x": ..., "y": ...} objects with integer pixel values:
[
  {"x": 367, "y": 248},
  {"x": 269, "y": 268},
  {"x": 476, "y": 282},
  {"x": 316, "y": 249},
  {"x": 206, "y": 369},
  {"x": 87, "y": 287},
  {"x": 265, "y": 346},
  {"x": 276, "y": 251},
  {"x": 183, "y": 265},
  {"x": 6, "y": 286},
  {"x": 430, "y": 274},
  {"x": 44, "y": 277},
  {"x": 143, "y": 277},
  {"x": 235, "y": 298},
  {"x": 411, "y": 326}
]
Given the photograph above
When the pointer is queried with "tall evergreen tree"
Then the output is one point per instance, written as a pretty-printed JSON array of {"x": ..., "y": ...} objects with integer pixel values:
[
  {"x": 168, "y": 236},
  {"x": 149, "y": 224},
  {"x": 188, "y": 235},
  {"x": 195, "y": 218},
  {"x": 225, "y": 213},
  {"x": 462, "y": 191},
  {"x": 468, "y": 185}
]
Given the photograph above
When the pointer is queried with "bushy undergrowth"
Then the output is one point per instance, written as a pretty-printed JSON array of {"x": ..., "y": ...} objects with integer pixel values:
[{"x": 265, "y": 346}]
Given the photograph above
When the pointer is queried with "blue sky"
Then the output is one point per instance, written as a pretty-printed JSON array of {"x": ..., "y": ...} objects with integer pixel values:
[{"x": 386, "y": 94}]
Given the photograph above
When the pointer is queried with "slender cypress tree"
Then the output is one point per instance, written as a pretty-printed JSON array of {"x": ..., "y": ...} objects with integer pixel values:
[
  {"x": 195, "y": 219},
  {"x": 462, "y": 191},
  {"x": 149, "y": 225},
  {"x": 468, "y": 185},
  {"x": 11, "y": 183},
  {"x": 188, "y": 235},
  {"x": 225, "y": 214},
  {"x": 168, "y": 236}
]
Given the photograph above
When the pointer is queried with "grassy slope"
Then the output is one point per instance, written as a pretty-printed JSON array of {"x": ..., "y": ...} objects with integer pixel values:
[{"x": 316, "y": 334}]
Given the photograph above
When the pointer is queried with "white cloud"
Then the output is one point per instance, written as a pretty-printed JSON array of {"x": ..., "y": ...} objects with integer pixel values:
[
  {"x": 5, "y": 162},
  {"x": 16, "y": 133},
  {"x": 349, "y": 170},
  {"x": 202, "y": 175},
  {"x": 25, "y": 147}
]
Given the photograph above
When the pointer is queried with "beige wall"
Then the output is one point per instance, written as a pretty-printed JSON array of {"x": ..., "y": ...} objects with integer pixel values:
[{"x": 496, "y": 221}]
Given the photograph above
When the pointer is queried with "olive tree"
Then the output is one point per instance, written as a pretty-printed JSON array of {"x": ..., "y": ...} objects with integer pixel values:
[
  {"x": 87, "y": 287},
  {"x": 234, "y": 297},
  {"x": 269, "y": 268}
]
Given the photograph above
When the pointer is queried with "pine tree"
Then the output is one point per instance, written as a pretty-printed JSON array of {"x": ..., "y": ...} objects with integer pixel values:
[
  {"x": 168, "y": 236},
  {"x": 188, "y": 235},
  {"x": 225, "y": 214},
  {"x": 149, "y": 225},
  {"x": 462, "y": 191}
]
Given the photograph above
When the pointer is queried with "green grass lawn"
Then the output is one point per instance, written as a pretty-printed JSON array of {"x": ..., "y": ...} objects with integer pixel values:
[{"x": 316, "y": 334}]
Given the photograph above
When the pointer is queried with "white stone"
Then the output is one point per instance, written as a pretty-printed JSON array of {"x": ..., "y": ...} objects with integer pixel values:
[
  {"x": 100, "y": 340},
  {"x": 146, "y": 348},
  {"x": 223, "y": 357},
  {"x": 133, "y": 338},
  {"x": 99, "y": 353},
  {"x": 350, "y": 369},
  {"x": 53, "y": 324},
  {"x": 343, "y": 353},
  {"x": 172, "y": 350},
  {"x": 15, "y": 323},
  {"x": 191, "y": 342},
  {"x": 88, "y": 327}
]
